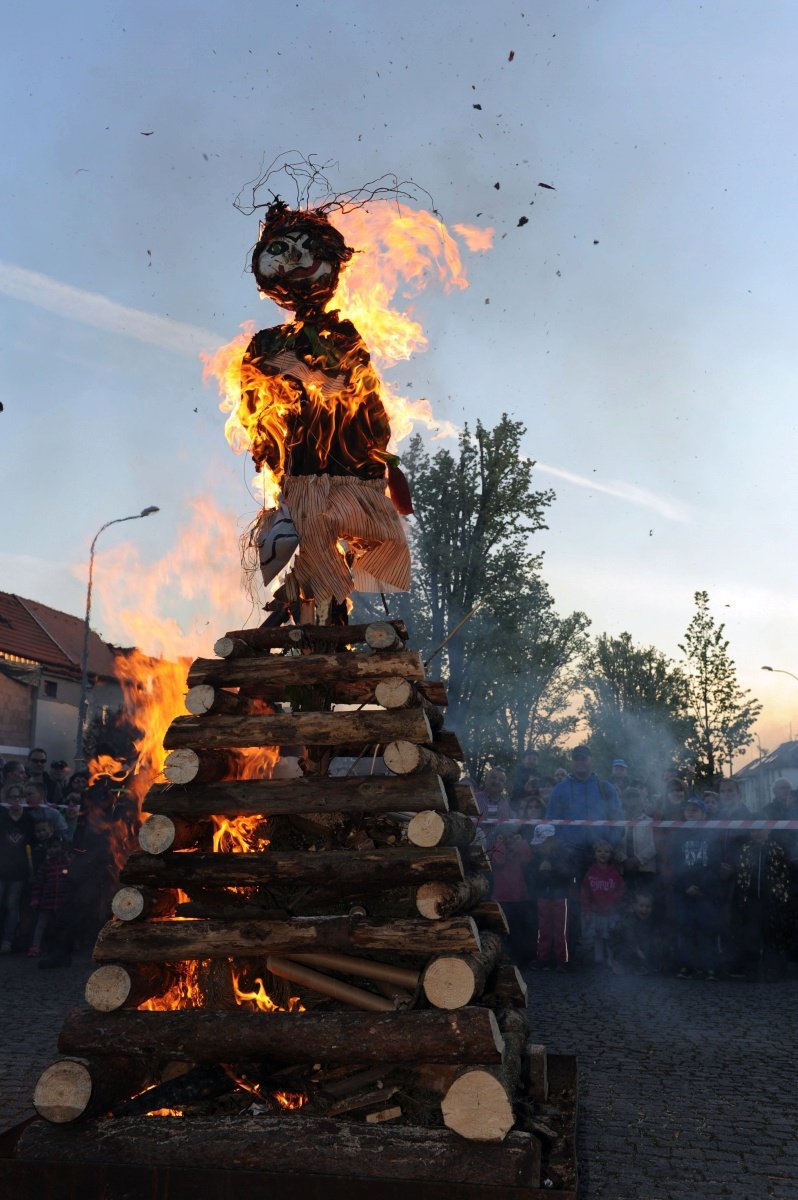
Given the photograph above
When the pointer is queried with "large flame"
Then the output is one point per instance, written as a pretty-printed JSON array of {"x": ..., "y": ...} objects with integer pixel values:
[{"x": 257, "y": 999}]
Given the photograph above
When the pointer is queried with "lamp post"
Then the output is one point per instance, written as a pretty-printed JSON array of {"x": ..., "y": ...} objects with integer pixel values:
[
  {"x": 781, "y": 671},
  {"x": 84, "y": 658}
]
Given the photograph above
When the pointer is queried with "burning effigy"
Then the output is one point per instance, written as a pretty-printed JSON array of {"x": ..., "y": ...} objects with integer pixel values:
[{"x": 304, "y": 977}]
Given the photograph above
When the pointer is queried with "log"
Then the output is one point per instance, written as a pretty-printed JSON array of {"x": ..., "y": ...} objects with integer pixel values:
[
  {"x": 441, "y": 829},
  {"x": 385, "y": 1114},
  {"x": 327, "y": 985},
  {"x": 364, "y": 968},
  {"x": 453, "y": 981},
  {"x": 204, "y": 1082},
  {"x": 490, "y": 916},
  {"x": 479, "y": 1105},
  {"x": 336, "y": 871},
  {"x": 506, "y": 988},
  {"x": 73, "y": 1088},
  {"x": 192, "y": 766},
  {"x": 160, "y": 833},
  {"x": 447, "y": 743},
  {"x": 176, "y": 941},
  {"x": 403, "y": 693},
  {"x": 437, "y": 900},
  {"x": 306, "y": 728},
  {"x": 112, "y": 986},
  {"x": 200, "y": 1035},
  {"x": 228, "y": 647},
  {"x": 462, "y": 799},
  {"x": 383, "y": 636},
  {"x": 205, "y": 698},
  {"x": 287, "y": 636},
  {"x": 309, "y": 794},
  {"x": 306, "y": 670},
  {"x": 133, "y": 903},
  {"x": 405, "y": 757},
  {"x": 373, "y": 1098},
  {"x": 349, "y": 1152}
]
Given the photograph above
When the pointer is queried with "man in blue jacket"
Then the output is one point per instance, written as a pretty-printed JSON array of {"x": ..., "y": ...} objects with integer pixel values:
[{"x": 583, "y": 796}]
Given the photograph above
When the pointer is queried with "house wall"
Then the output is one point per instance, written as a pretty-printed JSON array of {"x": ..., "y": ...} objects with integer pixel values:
[
  {"x": 57, "y": 716},
  {"x": 758, "y": 790},
  {"x": 16, "y": 716}
]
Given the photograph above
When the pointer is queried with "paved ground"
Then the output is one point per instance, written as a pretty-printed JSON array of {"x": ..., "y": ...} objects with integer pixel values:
[{"x": 688, "y": 1089}]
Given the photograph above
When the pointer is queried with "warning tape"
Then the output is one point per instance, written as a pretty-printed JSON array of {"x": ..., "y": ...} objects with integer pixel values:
[{"x": 647, "y": 823}]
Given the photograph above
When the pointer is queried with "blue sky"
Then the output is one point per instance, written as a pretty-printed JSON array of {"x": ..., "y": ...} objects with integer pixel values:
[{"x": 641, "y": 324}]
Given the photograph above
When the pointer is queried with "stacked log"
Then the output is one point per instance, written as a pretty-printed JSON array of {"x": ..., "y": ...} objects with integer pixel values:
[{"x": 356, "y": 936}]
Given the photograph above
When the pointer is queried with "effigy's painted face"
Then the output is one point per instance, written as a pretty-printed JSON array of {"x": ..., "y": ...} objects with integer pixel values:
[{"x": 293, "y": 269}]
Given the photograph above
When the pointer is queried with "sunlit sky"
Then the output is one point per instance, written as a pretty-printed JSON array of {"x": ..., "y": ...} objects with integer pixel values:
[{"x": 641, "y": 324}]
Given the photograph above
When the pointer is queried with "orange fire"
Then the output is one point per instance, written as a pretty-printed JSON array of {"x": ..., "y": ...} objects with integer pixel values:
[
  {"x": 184, "y": 993},
  {"x": 291, "y": 1100},
  {"x": 166, "y": 1112},
  {"x": 238, "y": 835},
  {"x": 402, "y": 250},
  {"x": 258, "y": 999}
]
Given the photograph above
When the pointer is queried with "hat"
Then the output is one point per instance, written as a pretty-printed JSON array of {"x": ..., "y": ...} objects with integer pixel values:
[
  {"x": 542, "y": 834},
  {"x": 581, "y": 752},
  {"x": 620, "y": 762},
  {"x": 699, "y": 803}
]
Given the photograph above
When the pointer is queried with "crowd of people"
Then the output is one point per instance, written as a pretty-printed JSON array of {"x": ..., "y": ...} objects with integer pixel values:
[
  {"x": 634, "y": 895},
  {"x": 60, "y": 842}
]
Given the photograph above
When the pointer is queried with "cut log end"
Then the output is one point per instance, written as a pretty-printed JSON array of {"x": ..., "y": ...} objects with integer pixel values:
[
  {"x": 381, "y": 635},
  {"x": 450, "y": 983},
  {"x": 108, "y": 988},
  {"x": 128, "y": 904},
  {"x": 478, "y": 1107},
  {"x": 63, "y": 1091},
  {"x": 157, "y": 834}
]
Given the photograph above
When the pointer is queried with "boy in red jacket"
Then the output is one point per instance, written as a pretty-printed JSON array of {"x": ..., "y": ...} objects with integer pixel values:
[{"x": 602, "y": 889}]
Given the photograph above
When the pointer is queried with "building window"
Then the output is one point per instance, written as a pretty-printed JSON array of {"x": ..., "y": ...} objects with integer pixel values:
[{"x": 50, "y": 688}]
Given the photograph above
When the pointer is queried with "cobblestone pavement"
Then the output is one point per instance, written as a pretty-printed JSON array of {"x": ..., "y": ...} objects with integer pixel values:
[{"x": 688, "y": 1089}]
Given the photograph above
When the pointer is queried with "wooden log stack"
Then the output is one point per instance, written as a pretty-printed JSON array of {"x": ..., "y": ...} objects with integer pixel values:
[{"x": 340, "y": 950}]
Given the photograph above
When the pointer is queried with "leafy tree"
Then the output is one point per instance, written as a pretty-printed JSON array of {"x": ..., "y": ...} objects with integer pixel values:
[
  {"x": 636, "y": 705},
  {"x": 507, "y": 671},
  {"x": 724, "y": 712}
]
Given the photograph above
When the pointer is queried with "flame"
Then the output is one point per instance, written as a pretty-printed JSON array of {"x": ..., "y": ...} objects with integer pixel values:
[
  {"x": 259, "y": 1000},
  {"x": 184, "y": 993},
  {"x": 106, "y": 767},
  {"x": 255, "y": 762},
  {"x": 165, "y": 1112},
  {"x": 238, "y": 835},
  {"x": 401, "y": 251},
  {"x": 290, "y": 1099}
]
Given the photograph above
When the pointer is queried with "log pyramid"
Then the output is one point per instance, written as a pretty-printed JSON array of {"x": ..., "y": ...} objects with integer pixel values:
[{"x": 342, "y": 977}]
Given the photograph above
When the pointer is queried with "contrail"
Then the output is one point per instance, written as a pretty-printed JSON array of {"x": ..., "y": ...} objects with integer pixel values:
[
  {"x": 673, "y": 510},
  {"x": 90, "y": 308}
]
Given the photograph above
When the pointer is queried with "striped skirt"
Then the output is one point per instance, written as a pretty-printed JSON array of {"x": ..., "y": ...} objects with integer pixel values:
[{"x": 328, "y": 509}]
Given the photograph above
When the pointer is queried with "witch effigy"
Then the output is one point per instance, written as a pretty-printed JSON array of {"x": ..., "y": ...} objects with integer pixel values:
[{"x": 316, "y": 420}]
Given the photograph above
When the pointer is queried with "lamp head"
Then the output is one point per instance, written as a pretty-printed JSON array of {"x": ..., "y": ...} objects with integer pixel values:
[{"x": 145, "y": 512}]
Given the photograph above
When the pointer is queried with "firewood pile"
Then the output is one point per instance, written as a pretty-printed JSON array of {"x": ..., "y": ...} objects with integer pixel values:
[{"x": 305, "y": 962}]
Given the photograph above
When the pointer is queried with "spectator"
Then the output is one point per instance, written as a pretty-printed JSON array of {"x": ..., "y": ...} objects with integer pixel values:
[
  {"x": 39, "y": 810},
  {"x": 784, "y": 807},
  {"x": 50, "y": 892},
  {"x": 601, "y": 894},
  {"x": 711, "y": 805},
  {"x": 527, "y": 769},
  {"x": 696, "y": 884},
  {"x": 492, "y": 796},
  {"x": 16, "y": 836},
  {"x": 619, "y": 775},
  {"x": 37, "y": 763},
  {"x": 559, "y": 775},
  {"x": 78, "y": 782},
  {"x": 14, "y": 772},
  {"x": 74, "y": 817},
  {"x": 583, "y": 796},
  {"x": 761, "y": 906},
  {"x": 545, "y": 788},
  {"x": 59, "y": 772},
  {"x": 551, "y": 875},
  {"x": 510, "y": 856},
  {"x": 43, "y": 834},
  {"x": 530, "y": 808},
  {"x": 636, "y": 942},
  {"x": 636, "y": 853}
]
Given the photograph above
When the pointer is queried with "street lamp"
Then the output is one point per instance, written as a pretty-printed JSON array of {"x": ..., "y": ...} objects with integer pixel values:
[
  {"x": 781, "y": 671},
  {"x": 84, "y": 658}
]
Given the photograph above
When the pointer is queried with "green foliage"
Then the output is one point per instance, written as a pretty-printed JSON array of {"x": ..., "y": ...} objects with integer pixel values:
[
  {"x": 724, "y": 712},
  {"x": 636, "y": 706},
  {"x": 509, "y": 672}
]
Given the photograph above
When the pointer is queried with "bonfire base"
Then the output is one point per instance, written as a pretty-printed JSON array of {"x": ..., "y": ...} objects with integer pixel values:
[{"x": 268, "y": 1156}]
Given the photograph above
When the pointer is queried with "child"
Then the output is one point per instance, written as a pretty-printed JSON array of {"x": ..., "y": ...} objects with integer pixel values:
[
  {"x": 697, "y": 883},
  {"x": 602, "y": 889},
  {"x": 509, "y": 856},
  {"x": 50, "y": 892},
  {"x": 636, "y": 942},
  {"x": 552, "y": 873}
]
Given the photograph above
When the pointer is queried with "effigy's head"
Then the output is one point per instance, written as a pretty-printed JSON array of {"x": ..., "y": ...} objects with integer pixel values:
[{"x": 298, "y": 257}]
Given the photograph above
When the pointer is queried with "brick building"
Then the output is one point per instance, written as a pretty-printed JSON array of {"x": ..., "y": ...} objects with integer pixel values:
[{"x": 40, "y": 654}]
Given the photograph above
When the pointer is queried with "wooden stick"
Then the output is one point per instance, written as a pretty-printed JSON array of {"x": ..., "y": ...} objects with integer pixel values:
[
  {"x": 132, "y": 903},
  {"x": 192, "y": 766},
  {"x": 341, "y": 1036},
  {"x": 441, "y": 829},
  {"x": 176, "y": 941},
  {"x": 437, "y": 900},
  {"x": 305, "y": 728},
  {"x": 309, "y": 794},
  {"x": 70, "y": 1088},
  {"x": 382, "y": 636},
  {"x": 365, "y": 968},
  {"x": 326, "y": 985},
  {"x": 407, "y": 758},
  {"x": 403, "y": 693},
  {"x": 112, "y": 986},
  {"x": 205, "y": 698},
  {"x": 286, "y": 636},
  {"x": 161, "y": 833},
  {"x": 307, "y": 670},
  {"x": 336, "y": 871},
  {"x": 453, "y": 981}
]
